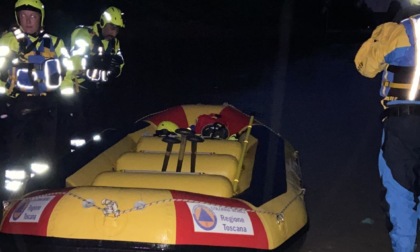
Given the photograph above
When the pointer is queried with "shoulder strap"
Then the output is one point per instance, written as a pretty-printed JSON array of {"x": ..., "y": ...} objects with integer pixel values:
[
  {"x": 26, "y": 49},
  {"x": 96, "y": 43},
  {"x": 56, "y": 43},
  {"x": 111, "y": 46}
]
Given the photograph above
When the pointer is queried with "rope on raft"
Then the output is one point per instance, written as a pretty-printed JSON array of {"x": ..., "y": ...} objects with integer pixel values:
[{"x": 111, "y": 206}]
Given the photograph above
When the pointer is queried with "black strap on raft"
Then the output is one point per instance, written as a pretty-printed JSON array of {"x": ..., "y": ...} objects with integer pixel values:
[
  {"x": 170, "y": 140},
  {"x": 194, "y": 139},
  {"x": 184, "y": 133}
]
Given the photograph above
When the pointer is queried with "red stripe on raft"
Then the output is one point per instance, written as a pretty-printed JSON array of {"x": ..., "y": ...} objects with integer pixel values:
[
  {"x": 237, "y": 121},
  {"x": 185, "y": 226},
  {"x": 37, "y": 228},
  {"x": 174, "y": 114}
]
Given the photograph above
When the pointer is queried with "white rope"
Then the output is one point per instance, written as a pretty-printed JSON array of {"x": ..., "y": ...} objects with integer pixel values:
[{"x": 111, "y": 206}]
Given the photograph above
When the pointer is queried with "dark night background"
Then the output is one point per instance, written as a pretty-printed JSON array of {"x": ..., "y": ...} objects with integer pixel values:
[{"x": 288, "y": 62}]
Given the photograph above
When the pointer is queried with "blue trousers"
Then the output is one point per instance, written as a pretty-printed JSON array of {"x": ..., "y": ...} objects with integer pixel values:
[
  {"x": 402, "y": 215},
  {"x": 399, "y": 168}
]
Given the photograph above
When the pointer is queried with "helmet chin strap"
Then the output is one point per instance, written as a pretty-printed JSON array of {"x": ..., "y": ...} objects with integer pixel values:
[{"x": 100, "y": 31}]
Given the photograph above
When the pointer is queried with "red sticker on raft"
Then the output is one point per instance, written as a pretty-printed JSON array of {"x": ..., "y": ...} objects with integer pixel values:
[
  {"x": 30, "y": 215},
  {"x": 205, "y": 220}
]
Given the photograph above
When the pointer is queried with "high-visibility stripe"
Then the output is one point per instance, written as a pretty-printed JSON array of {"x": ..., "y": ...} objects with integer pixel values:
[{"x": 415, "y": 82}]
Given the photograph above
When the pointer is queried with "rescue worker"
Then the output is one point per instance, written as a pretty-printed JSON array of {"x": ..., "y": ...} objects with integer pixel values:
[
  {"x": 97, "y": 61},
  {"x": 31, "y": 74},
  {"x": 394, "y": 49}
]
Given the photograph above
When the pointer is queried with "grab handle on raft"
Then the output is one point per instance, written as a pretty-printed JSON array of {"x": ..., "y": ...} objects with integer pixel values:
[{"x": 242, "y": 157}]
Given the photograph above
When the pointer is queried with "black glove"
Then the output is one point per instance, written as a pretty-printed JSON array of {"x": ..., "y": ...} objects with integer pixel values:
[
  {"x": 96, "y": 62},
  {"x": 115, "y": 65},
  {"x": 116, "y": 61}
]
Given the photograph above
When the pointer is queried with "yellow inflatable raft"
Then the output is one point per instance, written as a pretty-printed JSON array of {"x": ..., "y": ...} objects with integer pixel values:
[{"x": 222, "y": 182}]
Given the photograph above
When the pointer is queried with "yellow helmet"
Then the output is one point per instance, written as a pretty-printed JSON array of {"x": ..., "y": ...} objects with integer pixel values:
[
  {"x": 33, "y": 5},
  {"x": 112, "y": 15},
  {"x": 415, "y": 2},
  {"x": 165, "y": 128}
]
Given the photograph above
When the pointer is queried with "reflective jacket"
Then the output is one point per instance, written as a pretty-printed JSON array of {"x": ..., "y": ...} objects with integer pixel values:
[
  {"x": 87, "y": 45},
  {"x": 30, "y": 64},
  {"x": 390, "y": 49}
]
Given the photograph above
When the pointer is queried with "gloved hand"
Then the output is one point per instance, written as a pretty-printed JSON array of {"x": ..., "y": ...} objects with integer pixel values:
[
  {"x": 116, "y": 61},
  {"x": 115, "y": 66},
  {"x": 96, "y": 62}
]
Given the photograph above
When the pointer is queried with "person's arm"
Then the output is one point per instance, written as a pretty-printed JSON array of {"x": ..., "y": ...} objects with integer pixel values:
[
  {"x": 370, "y": 59},
  {"x": 80, "y": 46},
  {"x": 117, "y": 61},
  {"x": 67, "y": 87},
  {"x": 8, "y": 50},
  {"x": 81, "y": 42}
]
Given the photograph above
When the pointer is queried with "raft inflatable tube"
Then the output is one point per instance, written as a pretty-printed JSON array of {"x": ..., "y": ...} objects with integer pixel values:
[{"x": 125, "y": 199}]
